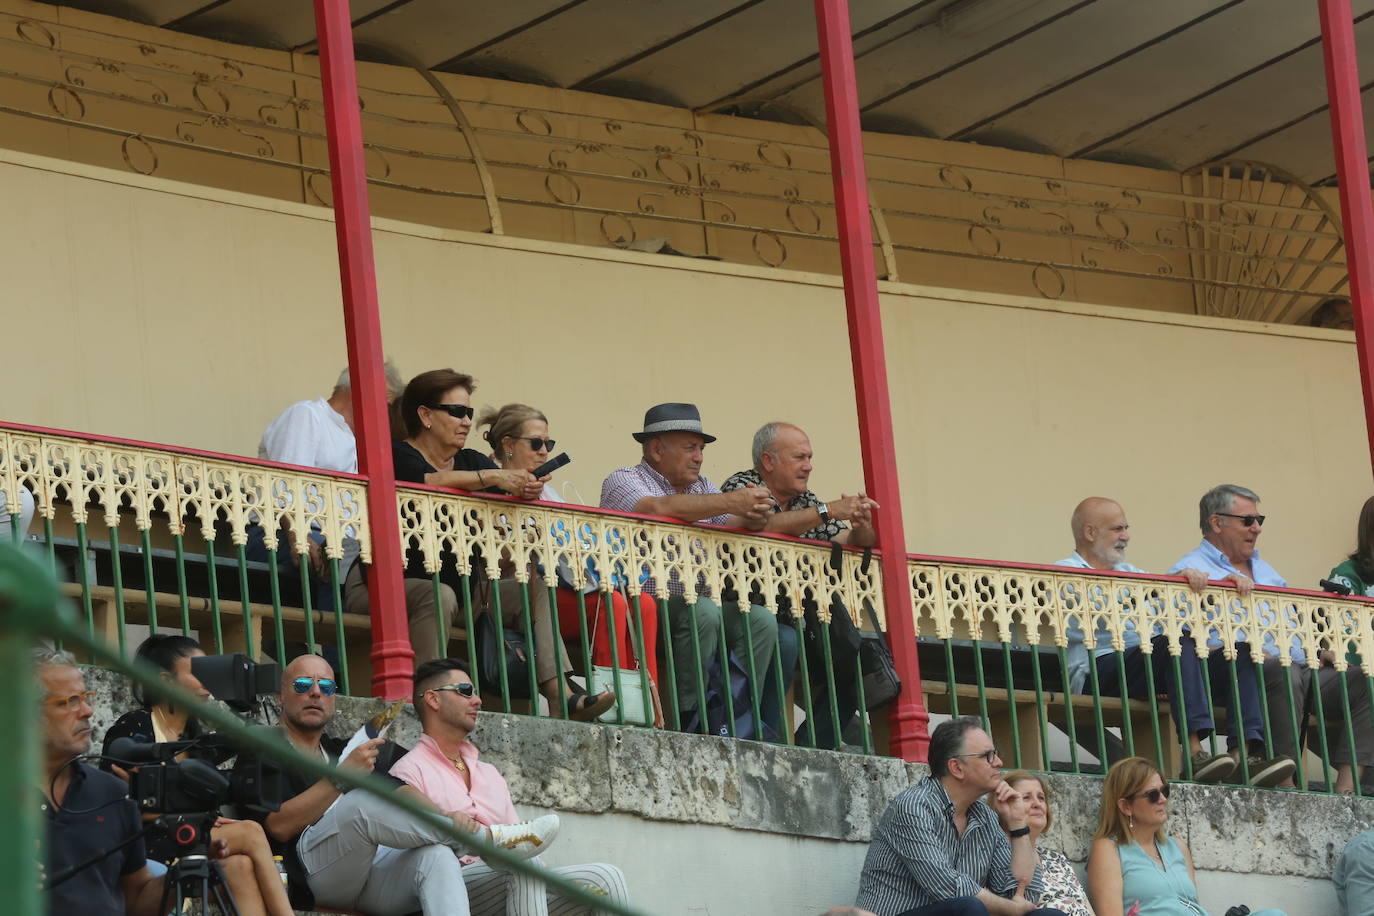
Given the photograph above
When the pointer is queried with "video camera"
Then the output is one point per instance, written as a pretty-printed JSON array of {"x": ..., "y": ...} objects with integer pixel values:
[{"x": 193, "y": 786}]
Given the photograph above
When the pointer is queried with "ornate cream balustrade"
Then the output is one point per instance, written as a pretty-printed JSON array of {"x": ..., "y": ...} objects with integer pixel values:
[
  {"x": 92, "y": 500},
  {"x": 183, "y": 487},
  {"x": 1016, "y": 609},
  {"x": 1031, "y": 605},
  {"x": 644, "y": 553},
  {"x": 173, "y": 508}
]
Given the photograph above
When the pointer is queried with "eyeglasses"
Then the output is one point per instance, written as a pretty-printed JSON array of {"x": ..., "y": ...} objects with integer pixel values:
[
  {"x": 1245, "y": 520},
  {"x": 986, "y": 755},
  {"x": 457, "y": 411},
  {"x": 464, "y": 689},
  {"x": 536, "y": 443},
  {"x": 302, "y": 685},
  {"x": 1152, "y": 795},
  {"x": 73, "y": 702}
]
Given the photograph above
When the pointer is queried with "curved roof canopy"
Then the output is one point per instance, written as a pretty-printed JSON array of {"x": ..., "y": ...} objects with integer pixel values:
[{"x": 1164, "y": 83}]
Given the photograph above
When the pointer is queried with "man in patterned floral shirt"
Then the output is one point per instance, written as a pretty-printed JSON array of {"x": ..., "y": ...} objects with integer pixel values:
[{"x": 782, "y": 464}]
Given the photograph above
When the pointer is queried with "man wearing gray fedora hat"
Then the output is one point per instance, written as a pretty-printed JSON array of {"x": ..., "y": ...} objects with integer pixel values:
[{"x": 668, "y": 481}]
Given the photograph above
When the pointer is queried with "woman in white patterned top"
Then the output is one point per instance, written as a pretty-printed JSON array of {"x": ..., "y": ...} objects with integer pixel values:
[{"x": 1063, "y": 890}]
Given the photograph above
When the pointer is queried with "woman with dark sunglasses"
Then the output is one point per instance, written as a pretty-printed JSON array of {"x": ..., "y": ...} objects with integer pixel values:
[
  {"x": 436, "y": 408},
  {"x": 249, "y": 870},
  {"x": 1135, "y": 866},
  {"x": 519, "y": 439}
]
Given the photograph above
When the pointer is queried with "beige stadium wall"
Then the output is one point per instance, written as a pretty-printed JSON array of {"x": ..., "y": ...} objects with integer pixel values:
[{"x": 177, "y": 313}]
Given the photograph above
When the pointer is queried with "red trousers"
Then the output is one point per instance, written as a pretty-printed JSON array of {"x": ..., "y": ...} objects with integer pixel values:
[{"x": 599, "y": 629}]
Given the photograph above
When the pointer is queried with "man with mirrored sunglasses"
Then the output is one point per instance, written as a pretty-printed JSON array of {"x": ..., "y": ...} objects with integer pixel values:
[{"x": 329, "y": 838}]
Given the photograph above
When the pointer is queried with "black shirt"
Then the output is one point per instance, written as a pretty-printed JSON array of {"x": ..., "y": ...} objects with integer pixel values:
[
  {"x": 138, "y": 724},
  {"x": 96, "y": 815},
  {"x": 411, "y": 467},
  {"x": 294, "y": 783}
]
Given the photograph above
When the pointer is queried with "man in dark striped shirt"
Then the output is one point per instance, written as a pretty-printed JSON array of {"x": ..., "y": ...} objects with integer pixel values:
[{"x": 939, "y": 849}]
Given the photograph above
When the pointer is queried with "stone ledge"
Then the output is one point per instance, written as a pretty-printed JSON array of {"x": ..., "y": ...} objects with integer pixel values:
[{"x": 695, "y": 779}]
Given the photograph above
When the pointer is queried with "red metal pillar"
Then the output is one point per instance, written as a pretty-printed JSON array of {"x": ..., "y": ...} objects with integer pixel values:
[
  {"x": 1352, "y": 170},
  {"x": 910, "y": 736},
  {"x": 392, "y": 656}
]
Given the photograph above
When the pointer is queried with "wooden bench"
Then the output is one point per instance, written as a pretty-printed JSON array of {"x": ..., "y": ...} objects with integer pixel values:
[{"x": 936, "y": 697}]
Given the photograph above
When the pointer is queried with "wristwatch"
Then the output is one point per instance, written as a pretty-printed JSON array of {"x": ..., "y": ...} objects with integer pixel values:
[
  {"x": 1019, "y": 832},
  {"x": 823, "y": 511}
]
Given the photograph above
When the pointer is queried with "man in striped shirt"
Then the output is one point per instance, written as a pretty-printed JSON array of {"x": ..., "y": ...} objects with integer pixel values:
[{"x": 939, "y": 849}]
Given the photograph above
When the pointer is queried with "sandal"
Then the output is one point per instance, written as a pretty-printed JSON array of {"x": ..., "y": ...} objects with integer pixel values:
[{"x": 584, "y": 707}]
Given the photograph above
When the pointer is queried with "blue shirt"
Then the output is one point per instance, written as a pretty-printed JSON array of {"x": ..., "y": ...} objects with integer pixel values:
[
  {"x": 1208, "y": 558},
  {"x": 1077, "y": 651}
]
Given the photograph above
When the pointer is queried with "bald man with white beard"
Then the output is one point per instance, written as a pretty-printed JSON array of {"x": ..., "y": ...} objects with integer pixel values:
[{"x": 1101, "y": 535}]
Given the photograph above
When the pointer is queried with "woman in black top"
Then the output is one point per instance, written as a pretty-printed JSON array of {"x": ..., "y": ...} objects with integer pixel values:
[
  {"x": 249, "y": 871},
  {"x": 437, "y": 411}
]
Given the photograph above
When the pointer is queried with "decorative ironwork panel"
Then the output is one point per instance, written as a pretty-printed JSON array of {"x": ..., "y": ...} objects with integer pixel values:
[
  {"x": 1043, "y": 606},
  {"x": 643, "y": 556},
  {"x": 131, "y": 482}
]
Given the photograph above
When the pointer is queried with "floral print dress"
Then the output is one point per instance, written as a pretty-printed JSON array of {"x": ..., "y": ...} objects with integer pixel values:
[{"x": 1063, "y": 890}]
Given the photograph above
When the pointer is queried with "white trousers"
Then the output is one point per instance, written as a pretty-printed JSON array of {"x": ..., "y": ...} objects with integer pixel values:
[{"x": 365, "y": 855}]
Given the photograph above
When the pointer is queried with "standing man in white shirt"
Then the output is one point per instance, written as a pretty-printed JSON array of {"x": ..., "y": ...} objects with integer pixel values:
[{"x": 317, "y": 433}]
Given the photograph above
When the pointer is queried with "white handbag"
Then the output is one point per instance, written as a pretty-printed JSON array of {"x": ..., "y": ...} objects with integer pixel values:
[{"x": 629, "y": 693}]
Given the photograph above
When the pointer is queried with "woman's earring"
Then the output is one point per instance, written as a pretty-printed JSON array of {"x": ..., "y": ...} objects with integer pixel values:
[
  {"x": 1130, "y": 821},
  {"x": 510, "y": 455}
]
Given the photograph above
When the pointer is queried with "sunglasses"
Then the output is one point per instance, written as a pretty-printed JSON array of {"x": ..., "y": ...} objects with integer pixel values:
[
  {"x": 986, "y": 755},
  {"x": 302, "y": 685},
  {"x": 536, "y": 443},
  {"x": 1153, "y": 795},
  {"x": 457, "y": 411},
  {"x": 1245, "y": 520},
  {"x": 73, "y": 702},
  {"x": 464, "y": 689}
]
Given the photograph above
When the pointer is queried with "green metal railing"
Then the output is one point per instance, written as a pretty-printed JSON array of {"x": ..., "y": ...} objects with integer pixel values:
[
  {"x": 968, "y": 612},
  {"x": 590, "y": 587},
  {"x": 222, "y": 549},
  {"x": 256, "y": 558},
  {"x": 30, "y": 609}
]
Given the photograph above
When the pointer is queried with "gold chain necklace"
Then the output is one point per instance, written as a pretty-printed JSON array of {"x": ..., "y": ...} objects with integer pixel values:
[{"x": 458, "y": 763}]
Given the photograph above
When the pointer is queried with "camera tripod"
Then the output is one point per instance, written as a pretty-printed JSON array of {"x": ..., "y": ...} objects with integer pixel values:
[{"x": 194, "y": 876}]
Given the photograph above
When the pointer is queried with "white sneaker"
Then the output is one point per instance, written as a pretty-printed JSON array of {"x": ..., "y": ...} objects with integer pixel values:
[{"x": 526, "y": 839}]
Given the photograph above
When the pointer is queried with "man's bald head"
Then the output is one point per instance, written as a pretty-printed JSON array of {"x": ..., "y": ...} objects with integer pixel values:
[
  {"x": 305, "y": 666},
  {"x": 309, "y": 710},
  {"x": 1100, "y": 532}
]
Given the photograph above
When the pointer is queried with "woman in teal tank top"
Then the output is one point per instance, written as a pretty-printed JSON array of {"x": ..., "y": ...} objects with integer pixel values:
[{"x": 1135, "y": 868}]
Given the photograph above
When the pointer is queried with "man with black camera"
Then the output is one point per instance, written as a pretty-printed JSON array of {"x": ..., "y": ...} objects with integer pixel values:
[
  {"x": 96, "y": 863},
  {"x": 329, "y": 838}
]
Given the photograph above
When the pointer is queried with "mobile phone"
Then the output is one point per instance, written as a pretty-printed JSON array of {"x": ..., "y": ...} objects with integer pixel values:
[{"x": 553, "y": 464}]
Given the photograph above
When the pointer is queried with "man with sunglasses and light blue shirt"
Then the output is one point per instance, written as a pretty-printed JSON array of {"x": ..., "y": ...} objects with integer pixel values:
[
  {"x": 1230, "y": 521},
  {"x": 349, "y": 849},
  {"x": 1101, "y": 535}
]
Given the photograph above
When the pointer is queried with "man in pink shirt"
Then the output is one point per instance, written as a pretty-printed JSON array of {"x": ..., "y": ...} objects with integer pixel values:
[{"x": 444, "y": 768}]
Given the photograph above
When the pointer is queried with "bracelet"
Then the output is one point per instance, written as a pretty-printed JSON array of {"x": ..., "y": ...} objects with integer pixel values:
[
  {"x": 1019, "y": 832},
  {"x": 480, "y": 482}
]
